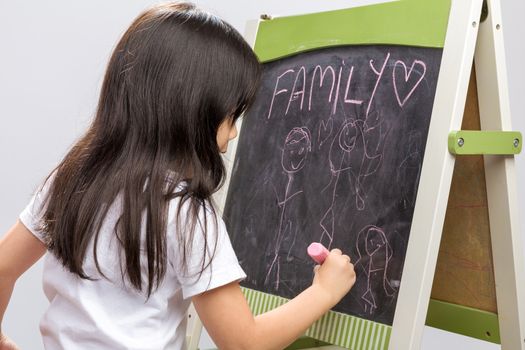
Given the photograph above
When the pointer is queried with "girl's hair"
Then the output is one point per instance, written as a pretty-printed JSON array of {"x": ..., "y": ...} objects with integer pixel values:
[{"x": 174, "y": 77}]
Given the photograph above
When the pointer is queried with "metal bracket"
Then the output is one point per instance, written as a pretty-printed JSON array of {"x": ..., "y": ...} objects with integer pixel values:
[{"x": 473, "y": 142}]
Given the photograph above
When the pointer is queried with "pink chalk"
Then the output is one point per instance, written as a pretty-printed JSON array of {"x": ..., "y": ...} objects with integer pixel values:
[{"x": 318, "y": 252}]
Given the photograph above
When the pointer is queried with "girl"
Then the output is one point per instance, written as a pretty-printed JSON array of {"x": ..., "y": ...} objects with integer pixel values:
[{"x": 127, "y": 217}]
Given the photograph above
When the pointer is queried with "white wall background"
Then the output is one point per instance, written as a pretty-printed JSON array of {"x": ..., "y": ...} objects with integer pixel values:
[{"x": 52, "y": 59}]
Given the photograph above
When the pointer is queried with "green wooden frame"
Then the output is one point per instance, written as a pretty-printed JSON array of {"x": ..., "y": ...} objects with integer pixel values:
[
  {"x": 463, "y": 320},
  {"x": 419, "y": 23},
  {"x": 450, "y": 317},
  {"x": 474, "y": 142}
]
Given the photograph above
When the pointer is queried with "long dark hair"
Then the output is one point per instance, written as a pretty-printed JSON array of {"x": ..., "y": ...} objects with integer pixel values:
[{"x": 176, "y": 74}]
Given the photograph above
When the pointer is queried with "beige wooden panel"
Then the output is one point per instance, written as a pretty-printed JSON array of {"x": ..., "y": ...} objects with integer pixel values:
[{"x": 464, "y": 273}]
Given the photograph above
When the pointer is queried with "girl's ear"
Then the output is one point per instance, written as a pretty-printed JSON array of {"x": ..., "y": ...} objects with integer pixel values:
[{"x": 233, "y": 131}]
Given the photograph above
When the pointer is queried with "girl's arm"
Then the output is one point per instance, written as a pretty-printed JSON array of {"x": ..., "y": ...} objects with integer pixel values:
[
  {"x": 19, "y": 250},
  {"x": 229, "y": 321}
]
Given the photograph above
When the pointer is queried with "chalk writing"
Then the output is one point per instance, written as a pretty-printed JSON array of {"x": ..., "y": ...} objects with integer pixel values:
[{"x": 331, "y": 151}]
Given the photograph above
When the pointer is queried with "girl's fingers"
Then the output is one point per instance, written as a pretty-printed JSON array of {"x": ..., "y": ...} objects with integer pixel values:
[{"x": 337, "y": 251}]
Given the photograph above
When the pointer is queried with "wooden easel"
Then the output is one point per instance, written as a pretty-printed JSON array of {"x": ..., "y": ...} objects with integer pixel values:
[
  {"x": 501, "y": 191},
  {"x": 467, "y": 38},
  {"x": 500, "y": 181}
]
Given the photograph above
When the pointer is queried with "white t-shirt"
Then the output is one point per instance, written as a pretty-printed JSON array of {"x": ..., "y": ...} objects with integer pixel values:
[{"x": 110, "y": 314}]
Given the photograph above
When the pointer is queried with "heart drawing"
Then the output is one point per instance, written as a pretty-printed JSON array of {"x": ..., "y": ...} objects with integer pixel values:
[
  {"x": 324, "y": 131},
  {"x": 407, "y": 75}
]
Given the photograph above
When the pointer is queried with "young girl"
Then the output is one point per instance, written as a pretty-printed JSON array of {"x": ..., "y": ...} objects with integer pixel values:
[{"x": 127, "y": 218}]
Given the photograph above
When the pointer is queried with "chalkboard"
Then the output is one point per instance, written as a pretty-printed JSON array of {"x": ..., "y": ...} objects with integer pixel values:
[{"x": 331, "y": 151}]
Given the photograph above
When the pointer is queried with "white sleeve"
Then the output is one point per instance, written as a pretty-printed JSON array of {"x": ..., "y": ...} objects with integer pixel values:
[
  {"x": 32, "y": 213},
  {"x": 224, "y": 267}
]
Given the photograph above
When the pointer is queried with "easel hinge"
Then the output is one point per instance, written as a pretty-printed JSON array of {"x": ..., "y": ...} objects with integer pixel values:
[{"x": 472, "y": 142}]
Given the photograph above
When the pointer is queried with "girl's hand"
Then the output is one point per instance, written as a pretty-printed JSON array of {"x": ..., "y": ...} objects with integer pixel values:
[
  {"x": 335, "y": 276},
  {"x": 7, "y": 344}
]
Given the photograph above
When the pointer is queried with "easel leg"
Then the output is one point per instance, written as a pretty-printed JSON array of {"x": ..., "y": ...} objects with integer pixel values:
[
  {"x": 501, "y": 183},
  {"x": 422, "y": 252}
]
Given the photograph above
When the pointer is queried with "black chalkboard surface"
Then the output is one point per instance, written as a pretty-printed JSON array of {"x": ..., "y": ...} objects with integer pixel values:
[{"x": 332, "y": 151}]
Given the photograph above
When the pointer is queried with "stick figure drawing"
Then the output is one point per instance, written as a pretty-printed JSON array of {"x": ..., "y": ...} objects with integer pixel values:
[
  {"x": 374, "y": 255},
  {"x": 297, "y": 146}
]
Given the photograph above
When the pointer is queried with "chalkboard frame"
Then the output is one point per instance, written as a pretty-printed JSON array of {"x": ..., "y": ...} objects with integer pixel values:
[
  {"x": 437, "y": 167},
  {"x": 370, "y": 25}
]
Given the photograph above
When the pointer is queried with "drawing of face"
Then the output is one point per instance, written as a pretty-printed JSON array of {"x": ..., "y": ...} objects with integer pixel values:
[
  {"x": 296, "y": 148},
  {"x": 347, "y": 137},
  {"x": 375, "y": 240}
]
